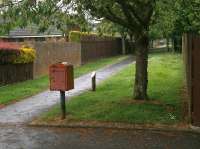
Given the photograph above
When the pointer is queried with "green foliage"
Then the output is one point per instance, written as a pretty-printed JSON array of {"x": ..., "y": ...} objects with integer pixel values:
[
  {"x": 127, "y": 13},
  {"x": 188, "y": 12},
  {"x": 75, "y": 36},
  {"x": 45, "y": 14},
  {"x": 113, "y": 102},
  {"x": 108, "y": 28},
  {"x": 27, "y": 55},
  {"x": 164, "y": 20},
  {"x": 175, "y": 17}
]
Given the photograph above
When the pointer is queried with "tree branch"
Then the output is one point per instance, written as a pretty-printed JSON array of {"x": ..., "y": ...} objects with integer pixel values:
[{"x": 125, "y": 7}]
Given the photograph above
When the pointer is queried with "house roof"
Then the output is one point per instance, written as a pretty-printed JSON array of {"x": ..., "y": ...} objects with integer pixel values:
[{"x": 33, "y": 32}]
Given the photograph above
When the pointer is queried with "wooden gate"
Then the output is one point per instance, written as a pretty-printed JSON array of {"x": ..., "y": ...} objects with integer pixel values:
[{"x": 191, "y": 52}]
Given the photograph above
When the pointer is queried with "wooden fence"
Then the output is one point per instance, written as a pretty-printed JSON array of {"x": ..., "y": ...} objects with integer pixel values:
[
  {"x": 10, "y": 73},
  {"x": 191, "y": 54}
]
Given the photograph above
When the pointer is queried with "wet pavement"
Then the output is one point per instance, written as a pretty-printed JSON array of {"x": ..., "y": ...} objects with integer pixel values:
[
  {"x": 21, "y": 137},
  {"x": 26, "y": 110}
]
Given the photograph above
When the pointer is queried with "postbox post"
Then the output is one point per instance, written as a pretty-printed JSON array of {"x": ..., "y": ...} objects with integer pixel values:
[
  {"x": 93, "y": 76},
  {"x": 62, "y": 101}
]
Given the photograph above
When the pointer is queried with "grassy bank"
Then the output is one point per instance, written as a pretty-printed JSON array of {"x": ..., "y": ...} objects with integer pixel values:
[
  {"x": 113, "y": 99},
  {"x": 18, "y": 91}
]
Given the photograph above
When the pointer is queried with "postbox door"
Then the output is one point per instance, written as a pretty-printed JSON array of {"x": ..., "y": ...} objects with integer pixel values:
[{"x": 58, "y": 79}]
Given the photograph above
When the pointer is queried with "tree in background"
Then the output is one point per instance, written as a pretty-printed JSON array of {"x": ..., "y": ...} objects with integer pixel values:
[
  {"x": 164, "y": 21},
  {"x": 188, "y": 20},
  {"x": 106, "y": 27},
  {"x": 175, "y": 17}
]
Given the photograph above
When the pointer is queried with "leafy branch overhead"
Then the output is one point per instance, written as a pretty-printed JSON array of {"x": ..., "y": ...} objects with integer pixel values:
[
  {"x": 44, "y": 14},
  {"x": 126, "y": 13}
]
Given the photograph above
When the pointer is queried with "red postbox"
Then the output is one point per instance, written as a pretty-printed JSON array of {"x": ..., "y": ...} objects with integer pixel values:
[{"x": 61, "y": 77}]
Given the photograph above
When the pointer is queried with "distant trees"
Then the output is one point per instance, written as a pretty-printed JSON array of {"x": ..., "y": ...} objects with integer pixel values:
[{"x": 175, "y": 17}]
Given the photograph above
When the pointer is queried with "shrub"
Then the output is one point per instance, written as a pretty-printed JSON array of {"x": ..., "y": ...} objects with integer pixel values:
[
  {"x": 27, "y": 55},
  {"x": 75, "y": 36},
  {"x": 14, "y": 54}
]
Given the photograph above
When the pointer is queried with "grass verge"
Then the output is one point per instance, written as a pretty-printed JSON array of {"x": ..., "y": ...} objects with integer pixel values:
[
  {"x": 15, "y": 92},
  {"x": 112, "y": 102}
]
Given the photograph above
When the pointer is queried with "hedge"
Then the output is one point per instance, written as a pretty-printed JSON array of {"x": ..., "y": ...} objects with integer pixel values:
[
  {"x": 75, "y": 36},
  {"x": 15, "y": 54}
]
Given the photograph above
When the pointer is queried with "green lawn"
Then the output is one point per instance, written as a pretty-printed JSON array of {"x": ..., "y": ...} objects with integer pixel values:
[
  {"x": 113, "y": 99},
  {"x": 18, "y": 91}
]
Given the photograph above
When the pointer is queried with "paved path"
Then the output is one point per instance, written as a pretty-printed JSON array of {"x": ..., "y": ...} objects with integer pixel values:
[
  {"x": 27, "y": 109},
  {"x": 50, "y": 138}
]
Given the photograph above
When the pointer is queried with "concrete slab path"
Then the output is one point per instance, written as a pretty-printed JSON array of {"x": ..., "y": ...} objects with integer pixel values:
[{"x": 24, "y": 111}]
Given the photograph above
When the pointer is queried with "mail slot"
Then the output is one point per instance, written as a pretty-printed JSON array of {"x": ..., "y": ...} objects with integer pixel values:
[{"x": 61, "y": 77}]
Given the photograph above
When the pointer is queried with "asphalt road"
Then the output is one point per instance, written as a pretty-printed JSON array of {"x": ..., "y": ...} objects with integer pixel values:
[{"x": 22, "y": 137}]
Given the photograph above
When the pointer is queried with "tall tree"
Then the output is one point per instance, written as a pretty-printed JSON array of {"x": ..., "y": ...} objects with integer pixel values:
[{"x": 135, "y": 16}]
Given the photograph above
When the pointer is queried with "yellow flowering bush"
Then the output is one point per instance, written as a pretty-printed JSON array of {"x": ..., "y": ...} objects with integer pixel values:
[
  {"x": 12, "y": 53},
  {"x": 27, "y": 55}
]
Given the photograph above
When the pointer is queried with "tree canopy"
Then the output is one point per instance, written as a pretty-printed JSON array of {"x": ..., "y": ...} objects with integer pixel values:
[{"x": 44, "y": 14}]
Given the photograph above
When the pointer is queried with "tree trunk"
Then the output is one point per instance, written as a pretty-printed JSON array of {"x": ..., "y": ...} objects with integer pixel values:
[
  {"x": 168, "y": 49},
  {"x": 123, "y": 45},
  {"x": 141, "y": 75},
  {"x": 131, "y": 37}
]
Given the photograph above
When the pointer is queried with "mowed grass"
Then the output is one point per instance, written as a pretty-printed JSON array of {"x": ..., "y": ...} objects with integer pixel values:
[
  {"x": 113, "y": 99},
  {"x": 18, "y": 91}
]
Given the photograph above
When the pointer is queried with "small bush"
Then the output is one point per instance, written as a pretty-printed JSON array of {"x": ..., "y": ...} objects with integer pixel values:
[
  {"x": 19, "y": 55},
  {"x": 27, "y": 55},
  {"x": 75, "y": 36}
]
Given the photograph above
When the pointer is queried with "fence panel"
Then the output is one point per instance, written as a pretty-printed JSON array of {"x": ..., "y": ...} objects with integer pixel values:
[
  {"x": 191, "y": 52},
  {"x": 10, "y": 73}
]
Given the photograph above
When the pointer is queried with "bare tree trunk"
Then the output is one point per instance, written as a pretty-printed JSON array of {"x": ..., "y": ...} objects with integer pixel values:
[
  {"x": 141, "y": 75},
  {"x": 131, "y": 37},
  {"x": 168, "y": 49},
  {"x": 123, "y": 45}
]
